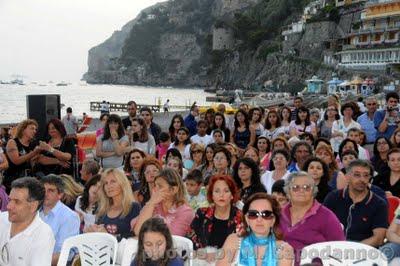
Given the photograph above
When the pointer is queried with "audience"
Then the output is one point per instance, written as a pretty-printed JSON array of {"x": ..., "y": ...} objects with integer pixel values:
[{"x": 196, "y": 180}]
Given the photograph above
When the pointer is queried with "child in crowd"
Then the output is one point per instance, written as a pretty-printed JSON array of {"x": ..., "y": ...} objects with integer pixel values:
[
  {"x": 201, "y": 137},
  {"x": 355, "y": 134},
  {"x": 197, "y": 195},
  {"x": 155, "y": 245},
  {"x": 279, "y": 193},
  {"x": 218, "y": 136},
  {"x": 162, "y": 148}
]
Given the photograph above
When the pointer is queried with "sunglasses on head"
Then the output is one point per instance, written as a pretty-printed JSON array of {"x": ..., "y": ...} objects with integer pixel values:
[{"x": 266, "y": 215}]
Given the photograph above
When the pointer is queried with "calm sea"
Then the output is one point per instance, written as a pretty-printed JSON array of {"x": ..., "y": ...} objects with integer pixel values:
[{"x": 13, "y": 97}]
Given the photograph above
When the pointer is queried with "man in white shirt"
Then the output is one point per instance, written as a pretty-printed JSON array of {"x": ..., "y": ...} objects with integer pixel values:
[{"x": 25, "y": 240}]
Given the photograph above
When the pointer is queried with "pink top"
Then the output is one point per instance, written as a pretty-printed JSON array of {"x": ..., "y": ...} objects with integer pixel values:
[
  {"x": 177, "y": 219},
  {"x": 99, "y": 132},
  {"x": 161, "y": 151},
  {"x": 319, "y": 224},
  {"x": 264, "y": 162}
]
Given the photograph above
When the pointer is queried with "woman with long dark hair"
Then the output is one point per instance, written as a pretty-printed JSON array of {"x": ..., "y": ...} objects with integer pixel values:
[
  {"x": 133, "y": 164},
  {"x": 285, "y": 115},
  {"x": 58, "y": 151},
  {"x": 141, "y": 139},
  {"x": 176, "y": 123},
  {"x": 220, "y": 123},
  {"x": 272, "y": 126},
  {"x": 87, "y": 204},
  {"x": 182, "y": 143},
  {"x": 255, "y": 117},
  {"x": 324, "y": 127},
  {"x": 302, "y": 123},
  {"x": 247, "y": 177},
  {"x": 151, "y": 167},
  {"x": 379, "y": 161},
  {"x": 112, "y": 145},
  {"x": 242, "y": 135},
  {"x": 318, "y": 170},
  {"x": 155, "y": 243}
]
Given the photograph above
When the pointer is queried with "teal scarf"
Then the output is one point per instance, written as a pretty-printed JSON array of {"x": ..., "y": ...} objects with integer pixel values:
[{"x": 247, "y": 256}]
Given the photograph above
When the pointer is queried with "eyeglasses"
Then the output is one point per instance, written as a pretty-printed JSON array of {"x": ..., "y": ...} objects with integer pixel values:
[
  {"x": 298, "y": 188},
  {"x": 219, "y": 158},
  {"x": 359, "y": 175},
  {"x": 197, "y": 151},
  {"x": 266, "y": 214}
]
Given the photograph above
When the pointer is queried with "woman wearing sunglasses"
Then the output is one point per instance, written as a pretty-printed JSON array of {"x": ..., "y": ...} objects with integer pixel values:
[
  {"x": 260, "y": 243},
  {"x": 304, "y": 221}
]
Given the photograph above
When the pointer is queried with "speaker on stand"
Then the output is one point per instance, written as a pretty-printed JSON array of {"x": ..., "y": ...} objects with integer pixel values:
[{"x": 43, "y": 108}]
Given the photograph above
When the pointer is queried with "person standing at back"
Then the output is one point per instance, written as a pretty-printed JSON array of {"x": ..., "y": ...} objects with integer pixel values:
[
  {"x": 70, "y": 123},
  {"x": 297, "y": 102},
  {"x": 366, "y": 121},
  {"x": 132, "y": 108},
  {"x": 386, "y": 120},
  {"x": 190, "y": 120}
]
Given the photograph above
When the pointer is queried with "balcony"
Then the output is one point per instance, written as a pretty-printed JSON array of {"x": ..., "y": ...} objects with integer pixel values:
[
  {"x": 391, "y": 41},
  {"x": 377, "y": 41}
]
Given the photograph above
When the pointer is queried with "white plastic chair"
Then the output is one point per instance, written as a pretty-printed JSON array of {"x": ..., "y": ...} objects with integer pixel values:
[
  {"x": 182, "y": 243},
  {"x": 342, "y": 253},
  {"x": 129, "y": 252},
  {"x": 94, "y": 249}
]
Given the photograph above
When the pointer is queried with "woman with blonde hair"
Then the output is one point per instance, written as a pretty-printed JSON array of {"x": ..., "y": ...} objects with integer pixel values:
[
  {"x": 117, "y": 208},
  {"x": 21, "y": 152},
  {"x": 169, "y": 203},
  {"x": 72, "y": 190}
]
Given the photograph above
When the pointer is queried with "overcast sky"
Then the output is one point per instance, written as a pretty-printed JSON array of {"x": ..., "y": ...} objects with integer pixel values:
[{"x": 49, "y": 39}]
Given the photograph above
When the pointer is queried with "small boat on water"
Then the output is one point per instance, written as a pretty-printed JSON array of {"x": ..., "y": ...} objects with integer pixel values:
[
  {"x": 62, "y": 83},
  {"x": 17, "y": 82}
]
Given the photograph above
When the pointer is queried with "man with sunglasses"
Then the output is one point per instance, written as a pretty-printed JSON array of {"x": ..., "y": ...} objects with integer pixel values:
[
  {"x": 362, "y": 213},
  {"x": 24, "y": 238}
]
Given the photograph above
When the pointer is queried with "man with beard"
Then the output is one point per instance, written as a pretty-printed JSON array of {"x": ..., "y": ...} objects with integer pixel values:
[
  {"x": 362, "y": 213},
  {"x": 132, "y": 108}
]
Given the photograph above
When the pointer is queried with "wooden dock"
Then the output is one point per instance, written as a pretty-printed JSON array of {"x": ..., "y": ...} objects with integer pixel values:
[{"x": 122, "y": 107}]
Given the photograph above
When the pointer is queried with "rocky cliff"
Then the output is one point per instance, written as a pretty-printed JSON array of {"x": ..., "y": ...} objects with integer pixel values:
[{"x": 180, "y": 43}]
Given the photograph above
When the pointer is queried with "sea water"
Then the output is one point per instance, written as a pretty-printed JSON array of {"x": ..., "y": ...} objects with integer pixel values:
[{"x": 78, "y": 96}]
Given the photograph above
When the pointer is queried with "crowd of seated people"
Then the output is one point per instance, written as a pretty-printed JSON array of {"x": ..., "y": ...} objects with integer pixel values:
[{"x": 262, "y": 184}]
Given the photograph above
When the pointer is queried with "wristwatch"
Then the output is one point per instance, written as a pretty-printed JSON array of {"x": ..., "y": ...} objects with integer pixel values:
[{"x": 51, "y": 150}]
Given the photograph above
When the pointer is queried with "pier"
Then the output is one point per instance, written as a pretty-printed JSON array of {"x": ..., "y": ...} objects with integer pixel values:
[{"x": 122, "y": 107}]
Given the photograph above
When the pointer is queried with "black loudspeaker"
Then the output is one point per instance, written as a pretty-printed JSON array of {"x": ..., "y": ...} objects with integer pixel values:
[{"x": 43, "y": 108}]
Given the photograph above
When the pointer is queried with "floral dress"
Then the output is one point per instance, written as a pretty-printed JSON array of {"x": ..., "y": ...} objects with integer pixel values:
[{"x": 202, "y": 226}]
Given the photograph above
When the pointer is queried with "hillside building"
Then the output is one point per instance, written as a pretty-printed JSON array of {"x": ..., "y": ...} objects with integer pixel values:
[{"x": 373, "y": 43}]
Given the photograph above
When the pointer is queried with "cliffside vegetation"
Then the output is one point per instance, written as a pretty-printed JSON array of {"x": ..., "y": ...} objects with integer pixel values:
[{"x": 265, "y": 20}]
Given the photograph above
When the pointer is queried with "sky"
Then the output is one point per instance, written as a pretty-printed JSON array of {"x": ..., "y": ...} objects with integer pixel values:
[{"x": 45, "y": 40}]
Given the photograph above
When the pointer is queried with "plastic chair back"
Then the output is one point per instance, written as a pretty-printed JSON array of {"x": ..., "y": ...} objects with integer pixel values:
[
  {"x": 340, "y": 253},
  {"x": 93, "y": 248},
  {"x": 393, "y": 203},
  {"x": 184, "y": 248},
  {"x": 129, "y": 252}
]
